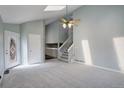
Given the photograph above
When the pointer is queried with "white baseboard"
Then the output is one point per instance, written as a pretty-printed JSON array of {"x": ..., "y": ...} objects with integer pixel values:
[{"x": 100, "y": 67}]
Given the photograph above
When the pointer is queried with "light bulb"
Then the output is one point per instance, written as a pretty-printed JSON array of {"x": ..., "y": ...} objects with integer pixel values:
[
  {"x": 64, "y": 25},
  {"x": 69, "y": 25}
]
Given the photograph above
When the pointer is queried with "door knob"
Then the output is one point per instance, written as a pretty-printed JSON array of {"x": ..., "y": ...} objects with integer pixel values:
[{"x": 0, "y": 77}]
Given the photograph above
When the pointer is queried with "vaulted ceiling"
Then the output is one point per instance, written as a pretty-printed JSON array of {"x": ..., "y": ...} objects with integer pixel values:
[{"x": 17, "y": 14}]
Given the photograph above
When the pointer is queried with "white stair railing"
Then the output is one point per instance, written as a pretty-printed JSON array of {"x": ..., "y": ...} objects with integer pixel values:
[
  {"x": 71, "y": 53},
  {"x": 63, "y": 50},
  {"x": 64, "y": 45}
]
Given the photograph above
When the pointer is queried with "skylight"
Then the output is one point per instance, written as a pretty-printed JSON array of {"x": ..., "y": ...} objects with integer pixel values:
[{"x": 54, "y": 7}]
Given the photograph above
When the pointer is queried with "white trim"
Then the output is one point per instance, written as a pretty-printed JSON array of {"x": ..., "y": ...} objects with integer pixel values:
[{"x": 100, "y": 67}]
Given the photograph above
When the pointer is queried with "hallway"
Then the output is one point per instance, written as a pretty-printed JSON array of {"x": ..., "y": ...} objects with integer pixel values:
[{"x": 58, "y": 74}]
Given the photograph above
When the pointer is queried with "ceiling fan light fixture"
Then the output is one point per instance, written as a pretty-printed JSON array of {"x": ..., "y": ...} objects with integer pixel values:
[
  {"x": 68, "y": 21},
  {"x": 69, "y": 25},
  {"x": 64, "y": 25}
]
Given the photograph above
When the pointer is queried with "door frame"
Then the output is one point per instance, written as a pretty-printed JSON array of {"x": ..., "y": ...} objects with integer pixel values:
[{"x": 19, "y": 50}]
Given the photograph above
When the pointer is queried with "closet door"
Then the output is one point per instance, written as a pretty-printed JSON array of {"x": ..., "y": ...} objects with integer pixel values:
[{"x": 34, "y": 48}]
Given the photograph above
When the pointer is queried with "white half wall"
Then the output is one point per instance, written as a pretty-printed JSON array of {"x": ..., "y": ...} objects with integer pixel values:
[
  {"x": 98, "y": 39},
  {"x": 33, "y": 27}
]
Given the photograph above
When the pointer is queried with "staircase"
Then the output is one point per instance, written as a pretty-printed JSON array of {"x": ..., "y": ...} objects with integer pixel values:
[{"x": 63, "y": 53}]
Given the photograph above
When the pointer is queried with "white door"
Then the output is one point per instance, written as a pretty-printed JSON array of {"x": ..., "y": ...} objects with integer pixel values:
[
  {"x": 12, "y": 49},
  {"x": 34, "y": 48}
]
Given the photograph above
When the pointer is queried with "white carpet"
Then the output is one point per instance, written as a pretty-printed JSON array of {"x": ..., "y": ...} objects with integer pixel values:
[{"x": 56, "y": 74}]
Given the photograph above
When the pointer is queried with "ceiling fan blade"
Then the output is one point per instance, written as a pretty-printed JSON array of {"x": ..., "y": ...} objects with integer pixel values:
[
  {"x": 64, "y": 20},
  {"x": 74, "y": 21},
  {"x": 77, "y": 20}
]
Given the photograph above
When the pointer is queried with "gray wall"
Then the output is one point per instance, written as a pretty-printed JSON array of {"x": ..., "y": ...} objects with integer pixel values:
[
  {"x": 1, "y": 48},
  {"x": 5, "y": 27},
  {"x": 54, "y": 33},
  {"x": 36, "y": 27},
  {"x": 12, "y": 27},
  {"x": 24, "y": 29},
  {"x": 95, "y": 36}
]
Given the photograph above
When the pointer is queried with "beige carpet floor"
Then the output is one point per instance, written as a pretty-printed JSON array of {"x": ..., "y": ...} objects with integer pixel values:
[{"x": 57, "y": 74}]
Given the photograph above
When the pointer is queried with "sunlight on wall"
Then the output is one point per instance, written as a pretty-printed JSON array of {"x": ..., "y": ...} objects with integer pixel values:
[
  {"x": 86, "y": 52},
  {"x": 119, "y": 48}
]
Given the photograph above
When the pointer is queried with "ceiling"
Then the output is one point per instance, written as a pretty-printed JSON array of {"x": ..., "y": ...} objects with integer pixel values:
[{"x": 18, "y": 14}]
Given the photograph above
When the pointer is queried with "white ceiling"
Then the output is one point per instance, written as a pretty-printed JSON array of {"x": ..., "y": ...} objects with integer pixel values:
[{"x": 17, "y": 14}]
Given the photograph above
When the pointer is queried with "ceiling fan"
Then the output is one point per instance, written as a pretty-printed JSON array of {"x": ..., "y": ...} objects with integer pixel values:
[{"x": 68, "y": 21}]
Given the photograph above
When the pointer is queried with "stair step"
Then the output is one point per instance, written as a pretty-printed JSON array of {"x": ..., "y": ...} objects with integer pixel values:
[
  {"x": 62, "y": 59},
  {"x": 64, "y": 54},
  {"x": 65, "y": 57}
]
